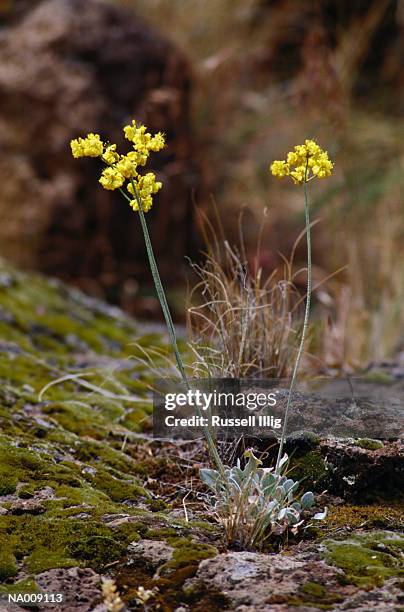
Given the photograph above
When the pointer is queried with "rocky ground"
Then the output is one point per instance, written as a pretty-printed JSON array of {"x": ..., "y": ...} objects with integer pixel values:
[{"x": 85, "y": 492}]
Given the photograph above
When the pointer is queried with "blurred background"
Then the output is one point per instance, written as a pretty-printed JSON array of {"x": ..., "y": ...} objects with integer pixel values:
[{"x": 234, "y": 84}]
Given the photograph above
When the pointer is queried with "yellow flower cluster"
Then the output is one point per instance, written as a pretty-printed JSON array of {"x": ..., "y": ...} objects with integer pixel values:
[
  {"x": 146, "y": 187},
  {"x": 111, "y": 178},
  {"x": 305, "y": 162},
  {"x": 91, "y": 146},
  {"x": 122, "y": 168},
  {"x": 143, "y": 142}
]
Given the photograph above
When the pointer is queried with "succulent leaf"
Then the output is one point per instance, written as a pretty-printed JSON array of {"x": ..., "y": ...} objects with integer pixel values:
[{"x": 307, "y": 500}]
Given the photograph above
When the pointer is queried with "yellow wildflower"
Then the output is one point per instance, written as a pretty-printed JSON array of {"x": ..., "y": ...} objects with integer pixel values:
[
  {"x": 122, "y": 168},
  {"x": 280, "y": 168},
  {"x": 90, "y": 146},
  {"x": 110, "y": 155},
  {"x": 312, "y": 147},
  {"x": 146, "y": 186},
  {"x": 304, "y": 163},
  {"x": 298, "y": 174},
  {"x": 157, "y": 142},
  {"x": 143, "y": 142},
  {"x": 126, "y": 166},
  {"x": 111, "y": 178},
  {"x": 130, "y": 130},
  {"x": 77, "y": 147},
  {"x": 292, "y": 159}
]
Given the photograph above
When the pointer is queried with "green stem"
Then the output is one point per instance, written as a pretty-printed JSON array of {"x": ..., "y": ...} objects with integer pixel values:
[
  {"x": 167, "y": 316},
  {"x": 305, "y": 324},
  {"x": 161, "y": 295}
]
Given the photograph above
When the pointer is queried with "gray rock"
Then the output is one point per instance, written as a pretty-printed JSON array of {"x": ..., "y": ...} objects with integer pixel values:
[
  {"x": 153, "y": 552},
  {"x": 297, "y": 578},
  {"x": 249, "y": 580},
  {"x": 27, "y": 506},
  {"x": 382, "y": 599},
  {"x": 81, "y": 588},
  {"x": 10, "y": 607}
]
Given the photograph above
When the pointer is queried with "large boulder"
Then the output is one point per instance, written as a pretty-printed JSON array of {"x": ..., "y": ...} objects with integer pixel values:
[{"x": 69, "y": 67}]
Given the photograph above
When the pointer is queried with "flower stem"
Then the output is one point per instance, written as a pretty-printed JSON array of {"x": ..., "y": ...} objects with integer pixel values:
[
  {"x": 161, "y": 295},
  {"x": 168, "y": 319},
  {"x": 305, "y": 323}
]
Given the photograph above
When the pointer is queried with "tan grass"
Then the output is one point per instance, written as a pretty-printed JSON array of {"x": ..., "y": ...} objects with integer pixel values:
[{"x": 244, "y": 325}]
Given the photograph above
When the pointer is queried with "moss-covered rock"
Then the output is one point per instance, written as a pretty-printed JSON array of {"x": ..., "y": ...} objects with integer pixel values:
[
  {"x": 367, "y": 559},
  {"x": 20, "y": 586},
  {"x": 373, "y": 516},
  {"x": 8, "y": 563},
  {"x": 316, "y": 595},
  {"x": 79, "y": 484},
  {"x": 369, "y": 443},
  {"x": 188, "y": 553},
  {"x": 70, "y": 400},
  {"x": 311, "y": 469}
]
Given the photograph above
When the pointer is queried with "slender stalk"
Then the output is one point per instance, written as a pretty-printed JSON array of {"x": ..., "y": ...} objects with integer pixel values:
[
  {"x": 168, "y": 319},
  {"x": 158, "y": 285},
  {"x": 161, "y": 295},
  {"x": 305, "y": 323}
]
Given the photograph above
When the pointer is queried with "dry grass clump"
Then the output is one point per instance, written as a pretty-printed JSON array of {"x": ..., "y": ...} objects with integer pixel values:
[{"x": 243, "y": 324}]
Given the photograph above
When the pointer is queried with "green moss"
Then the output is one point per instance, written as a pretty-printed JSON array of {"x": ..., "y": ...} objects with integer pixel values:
[
  {"x": 83, "y": 495},
  {"x": 42, "y": 559},
  {"x": 8, "y": 482},
  {"x": 303, "y": 441},
  {"x": 117, "y": 490},
  {"x": 374, "y": 516},
  {"x": 27, "y": 491},
  {"x": 8, "y": 564},
  {"x": 183, "y": 565},
  {"x": 75, "y": 440},
  {"x": 93, "y": 452},
  {"x": 136, "y": 418},
  {"x": 204, "y": 526},
  {"x": 100, "y": 550},
  {"x": 57, "y": 316},
  {"x": 188, "y": 553},
  {"x": 37, "y": 470},
  {"x": 369, "y": 444},
  {"x": 313, "y": 589},
  {"x": 17, "y": 370},
  {"x": 311, "y": 594},
  {"x": 319, "y": 596},
  {"x": 82, "y": 421},
  {"x": 380, "y": 378},
  {"x": 22, "y": 586},
  {"x": 16, "y": 464},
  {"x": 367, "y": 559},
  {"x": 130, "y": 532},
  {"x": 157, "y": 504},
  {"x": 44, "y": 543},
  {"x": 310, "y": 469}
]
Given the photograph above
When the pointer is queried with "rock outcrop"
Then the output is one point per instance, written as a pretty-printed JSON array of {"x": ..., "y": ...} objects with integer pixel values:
[{"x": 338, "y": 575}]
